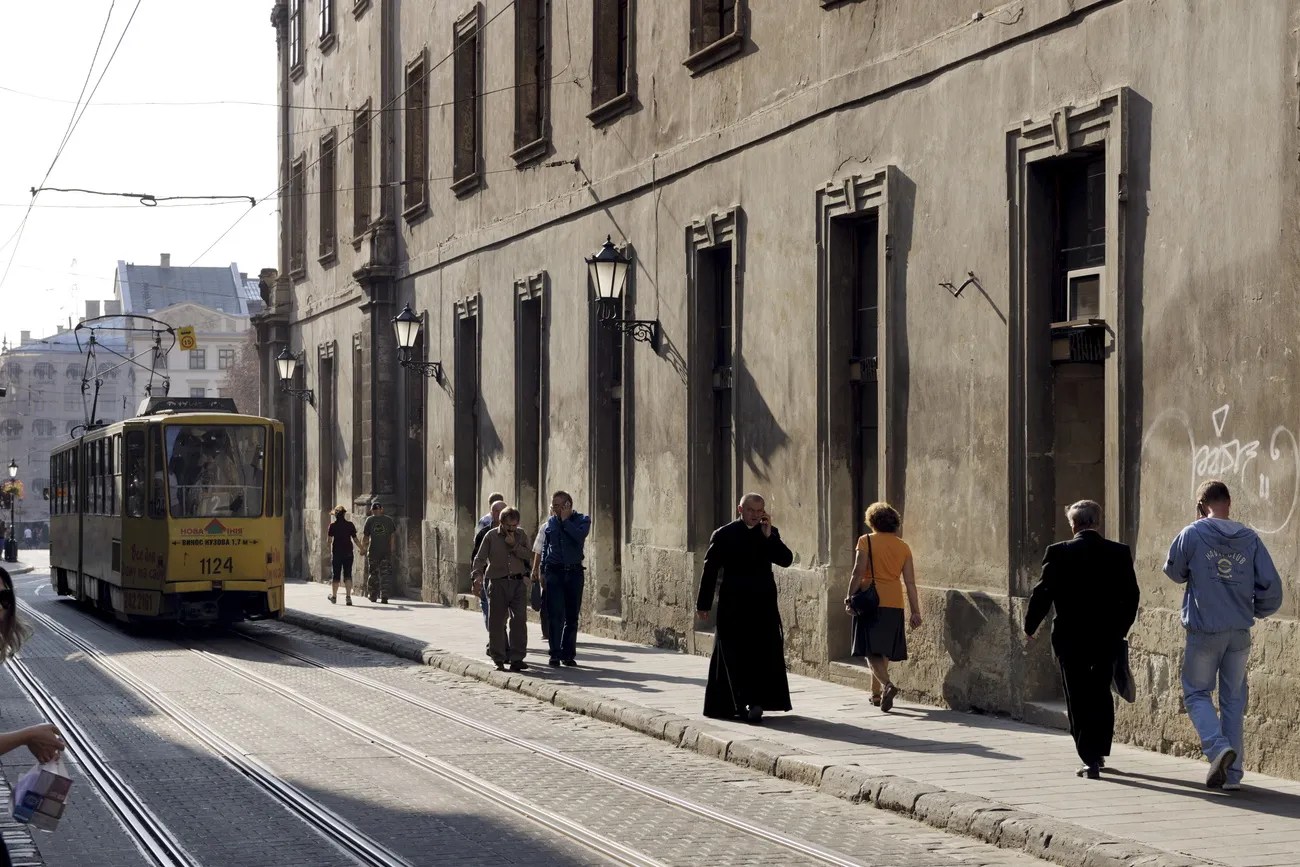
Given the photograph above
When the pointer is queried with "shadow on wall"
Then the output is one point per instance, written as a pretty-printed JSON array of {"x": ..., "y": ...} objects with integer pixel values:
[
  {"x": 761, "y": 436},
  {"x": 903, "y": 199},
  {"x": 990, "y": 667},
  {"x": 489, "y": 441}
]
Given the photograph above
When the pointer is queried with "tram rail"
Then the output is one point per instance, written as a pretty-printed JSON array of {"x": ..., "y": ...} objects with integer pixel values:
[
  {"x": 324, "y": 821},
  {"x": 686, "y": 805},
  {"x": 155, "y": 840}
]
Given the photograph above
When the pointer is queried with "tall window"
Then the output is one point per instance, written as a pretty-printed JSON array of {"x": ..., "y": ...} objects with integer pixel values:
[
  {"x": 864, "y": 457},
  {"x": 715, "y": 272},
  {"x": 328, "y": 184},
  {"x": 1079, "y": 219},
  {"x": 225, "y": 359},
  {"x": 297, "y": 218},
  {"x": 716, "y": 32},
  {"x": 295, "y": 34},
  {"x": 465, "y": 129},
  {"x": 198, "y": 359},
  {"x": 416, "y": 184},
  {"x": 612, "y": 73},
  {"x": 326, "y": 23},
  {"x": 361, "y": 170},
  {"x": 532, "y": 77},
  {"x": 198, "y": 391}
]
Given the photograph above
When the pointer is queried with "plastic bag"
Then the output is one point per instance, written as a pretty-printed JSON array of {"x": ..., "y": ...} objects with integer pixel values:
[{"x": 42, "y": 794}]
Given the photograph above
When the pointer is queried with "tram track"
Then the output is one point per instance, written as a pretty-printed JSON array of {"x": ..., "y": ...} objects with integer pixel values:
[
  {"x": 685, "y": 805},
  {"x": 324, "y": 821},
  {"x": 555, "y": 823},
  {"x": 155, "y": 840}
]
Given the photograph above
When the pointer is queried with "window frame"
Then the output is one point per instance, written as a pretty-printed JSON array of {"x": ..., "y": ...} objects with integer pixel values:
[
  {"x": 609, "y": 102},
  {"x": 327, "y": 34},
  {"x": 198, "y": 359},
  {"x": 467, "y": 111},
  {"x": 327, "y": 172},
  {"x": 532, "y": 126},
  {"x": 708, "y": 50},
  {"x": 298, "y": 218},
  {"x": 225, "y": 358},
  {"x": 415, "y": 138},
  {"x": 362, "y": 172},
  {"x": 296, "y": 68}
]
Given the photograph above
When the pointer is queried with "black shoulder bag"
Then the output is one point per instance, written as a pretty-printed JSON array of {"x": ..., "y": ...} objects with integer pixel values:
[{"x": 866, "y": 601}]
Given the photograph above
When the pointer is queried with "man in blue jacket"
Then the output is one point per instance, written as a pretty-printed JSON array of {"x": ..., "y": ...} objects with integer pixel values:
[
  {"x": 565, "y": 535},
  {"x": 1230, "y": 580}
]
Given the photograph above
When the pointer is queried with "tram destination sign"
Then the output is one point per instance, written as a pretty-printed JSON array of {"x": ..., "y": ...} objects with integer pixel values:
[{"x": 151, "y": 405}]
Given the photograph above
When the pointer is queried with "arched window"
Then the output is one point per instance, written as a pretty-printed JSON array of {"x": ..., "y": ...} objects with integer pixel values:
[
  {"x": 44, "y": 370},
  {"x": 13, "y": 428},
  {"x": 43, "y": 427},
  {"x": 73, "y": 371},
  {"x": 13, "y": 371}
]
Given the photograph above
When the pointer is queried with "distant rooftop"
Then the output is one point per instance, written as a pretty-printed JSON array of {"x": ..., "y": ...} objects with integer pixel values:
[{"x": 143, "y": 288}]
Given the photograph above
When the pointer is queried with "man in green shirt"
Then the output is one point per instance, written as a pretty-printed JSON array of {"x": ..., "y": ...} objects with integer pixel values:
[{"x": 377, "y": 536}]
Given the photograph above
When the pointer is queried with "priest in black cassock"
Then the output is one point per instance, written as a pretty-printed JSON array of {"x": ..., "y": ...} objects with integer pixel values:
[{"x": 747, "y": 670}]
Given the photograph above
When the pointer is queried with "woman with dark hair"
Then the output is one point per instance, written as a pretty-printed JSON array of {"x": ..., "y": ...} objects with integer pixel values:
[
  {"x": 882, "y": 558},
  {"x": 43, "y": 740}
]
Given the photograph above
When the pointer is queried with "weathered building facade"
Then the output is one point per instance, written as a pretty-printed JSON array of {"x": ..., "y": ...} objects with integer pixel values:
[{"x": 980, "y": 262}]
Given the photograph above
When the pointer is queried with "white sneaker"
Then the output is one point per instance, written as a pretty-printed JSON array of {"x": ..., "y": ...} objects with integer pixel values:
[{"x": 1218, "y": 774}]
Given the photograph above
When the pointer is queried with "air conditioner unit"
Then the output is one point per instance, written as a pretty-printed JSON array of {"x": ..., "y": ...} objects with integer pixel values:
[{"x": 1084, "y": 290}]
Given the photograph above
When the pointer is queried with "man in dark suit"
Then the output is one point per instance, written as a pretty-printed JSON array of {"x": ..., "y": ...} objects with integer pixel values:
[{"x": 1091, "y": 583}]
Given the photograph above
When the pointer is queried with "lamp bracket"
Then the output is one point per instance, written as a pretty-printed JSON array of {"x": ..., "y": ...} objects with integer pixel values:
[
  {"x": 644, "y": 330},
  {"x": 304, "y": 394},
  {"x": 432, "y": 369}
]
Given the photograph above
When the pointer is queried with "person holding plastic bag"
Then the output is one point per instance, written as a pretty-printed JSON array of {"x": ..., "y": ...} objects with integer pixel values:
[{"x": 42, "y": 740}]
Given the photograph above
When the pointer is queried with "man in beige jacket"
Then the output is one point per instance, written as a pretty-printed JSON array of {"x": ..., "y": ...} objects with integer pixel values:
[{"x": 504, "y": 559}]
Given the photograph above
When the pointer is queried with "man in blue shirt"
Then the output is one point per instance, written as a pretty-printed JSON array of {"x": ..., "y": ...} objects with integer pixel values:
[
  {"x": 565, "y": 535},
  {"x": 1229, "y": 580}
]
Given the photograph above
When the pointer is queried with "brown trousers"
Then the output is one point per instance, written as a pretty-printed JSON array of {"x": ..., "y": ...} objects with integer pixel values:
[{"x": 507, "y": 599}]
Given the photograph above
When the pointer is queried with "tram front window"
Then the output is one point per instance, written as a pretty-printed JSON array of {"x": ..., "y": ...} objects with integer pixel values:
[{"x": 215, "y": 471}]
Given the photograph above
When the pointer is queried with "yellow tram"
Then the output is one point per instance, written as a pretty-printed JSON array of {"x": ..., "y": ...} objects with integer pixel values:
[{"x": 174, "y": 515}]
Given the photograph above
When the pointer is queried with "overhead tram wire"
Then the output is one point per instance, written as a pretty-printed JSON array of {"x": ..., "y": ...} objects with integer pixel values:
[
  {"x": 67, "y": 132},
  {"x": 350, "y": 133},
  {"x": 72, "y": 127}
]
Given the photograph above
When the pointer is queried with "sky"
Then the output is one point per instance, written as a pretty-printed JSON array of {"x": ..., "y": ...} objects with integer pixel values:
[{"x": 178, "y": 52}]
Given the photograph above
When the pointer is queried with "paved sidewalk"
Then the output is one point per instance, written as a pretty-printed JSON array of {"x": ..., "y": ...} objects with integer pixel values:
[
  {"x": 19, "y": 568},
  {"x": 1002, "y": 781}
]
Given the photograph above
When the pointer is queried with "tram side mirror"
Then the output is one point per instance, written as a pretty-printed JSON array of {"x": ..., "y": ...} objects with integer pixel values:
[
  {"x": 4, "y": 392},
  {"x": 45, "y": 492}
]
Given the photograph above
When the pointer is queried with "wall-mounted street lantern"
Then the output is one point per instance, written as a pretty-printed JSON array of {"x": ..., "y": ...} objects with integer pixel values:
[
  {"x": 609, "y": 270},
  {"x": 407, "y": 325},
  {"x": 13, "y": 468},
  {"x": 287, "y": 363}
]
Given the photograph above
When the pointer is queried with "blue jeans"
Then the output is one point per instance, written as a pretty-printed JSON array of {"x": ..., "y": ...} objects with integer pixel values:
[
  {"x": 1220, "y": 656},
  {"x": 563, "y": 602}
]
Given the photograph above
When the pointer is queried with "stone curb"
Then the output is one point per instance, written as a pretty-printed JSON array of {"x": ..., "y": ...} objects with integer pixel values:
[
  {"x": 18, "y": 568},
  {"x": 956, "y": 812}
]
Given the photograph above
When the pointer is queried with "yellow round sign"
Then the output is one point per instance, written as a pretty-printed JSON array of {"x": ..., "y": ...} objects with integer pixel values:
[{"x": 187, "y": 341}]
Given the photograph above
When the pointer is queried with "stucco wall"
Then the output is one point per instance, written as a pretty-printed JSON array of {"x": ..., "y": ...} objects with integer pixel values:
[{"x": 1204, "y": 350}]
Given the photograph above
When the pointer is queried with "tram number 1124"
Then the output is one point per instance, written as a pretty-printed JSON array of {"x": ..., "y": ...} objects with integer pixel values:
[{"x": 216, "y": 566}]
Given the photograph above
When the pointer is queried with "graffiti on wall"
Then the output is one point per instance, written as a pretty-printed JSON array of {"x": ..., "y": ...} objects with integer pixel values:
[{"x": 1263, "y": 472}]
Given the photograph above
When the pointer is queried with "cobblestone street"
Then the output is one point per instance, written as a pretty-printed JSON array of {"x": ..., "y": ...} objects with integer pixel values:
[{"x": 434, "y": 768}]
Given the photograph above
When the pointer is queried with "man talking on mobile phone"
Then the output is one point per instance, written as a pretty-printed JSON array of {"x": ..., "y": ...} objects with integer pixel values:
[{"x": 747, "y": 669}]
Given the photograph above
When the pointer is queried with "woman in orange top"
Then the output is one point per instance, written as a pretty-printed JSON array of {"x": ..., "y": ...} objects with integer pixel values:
[{"x": 885, "y": 558}]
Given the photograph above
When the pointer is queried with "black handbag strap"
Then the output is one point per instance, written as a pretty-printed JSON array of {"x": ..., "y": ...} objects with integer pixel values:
[{"x": 871, "y": 561}]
